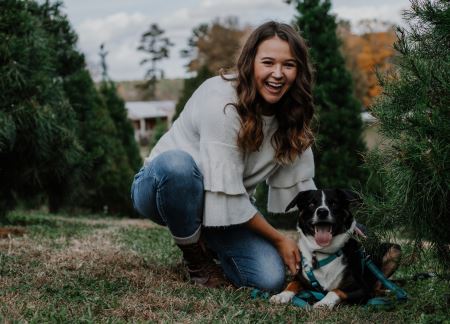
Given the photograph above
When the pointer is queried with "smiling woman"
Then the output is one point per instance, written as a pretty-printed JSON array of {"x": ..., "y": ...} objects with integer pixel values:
[
  {"x": 275, "y": 71},
  {"x": 235, "y": 132}
]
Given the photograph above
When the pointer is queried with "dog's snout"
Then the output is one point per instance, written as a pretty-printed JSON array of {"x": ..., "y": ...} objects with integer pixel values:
[{"x": 322, "y": 213}]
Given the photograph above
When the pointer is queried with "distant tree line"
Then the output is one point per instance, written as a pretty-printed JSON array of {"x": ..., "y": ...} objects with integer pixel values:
[
  {"x": 63, "y": 142},
  {"x": 367, "y": 55}
]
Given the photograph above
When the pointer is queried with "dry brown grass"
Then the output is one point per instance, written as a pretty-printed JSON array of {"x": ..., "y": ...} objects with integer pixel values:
[{"x": 98, "y": 255}]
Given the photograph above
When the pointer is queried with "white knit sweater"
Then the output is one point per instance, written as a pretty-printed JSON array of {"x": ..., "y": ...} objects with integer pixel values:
[{"x": 208, "y": 132}]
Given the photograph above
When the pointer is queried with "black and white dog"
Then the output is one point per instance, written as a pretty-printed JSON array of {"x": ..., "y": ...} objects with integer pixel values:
[{"x": 331, "y": 257}]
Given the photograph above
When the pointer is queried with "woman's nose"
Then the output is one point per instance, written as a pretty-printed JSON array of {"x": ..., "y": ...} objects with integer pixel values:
[{"x": 277, "y": 73}]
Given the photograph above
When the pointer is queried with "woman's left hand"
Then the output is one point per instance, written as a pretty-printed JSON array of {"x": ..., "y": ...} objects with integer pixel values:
[
  {"x": 290, "y": 253},
  {"x": 287, "y": 248}
]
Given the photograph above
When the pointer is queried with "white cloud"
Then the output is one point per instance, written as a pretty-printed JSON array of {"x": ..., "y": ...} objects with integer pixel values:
[
  {"x": 121, "y": 30},
  {"x": 237, "y": 5},
  {"x": 121, "y": 34},
  {"x": 111, "y": 28}
]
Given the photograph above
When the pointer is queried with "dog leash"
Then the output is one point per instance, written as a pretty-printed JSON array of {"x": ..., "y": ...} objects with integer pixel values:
[{"x": 400, "y": 294}]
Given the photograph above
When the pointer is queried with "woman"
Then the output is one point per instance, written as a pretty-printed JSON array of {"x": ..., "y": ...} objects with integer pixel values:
[{"x": 235, "y": 132}]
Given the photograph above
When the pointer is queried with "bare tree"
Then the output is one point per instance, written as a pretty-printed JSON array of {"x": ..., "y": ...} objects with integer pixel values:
[{"x": 157, "y": 47}]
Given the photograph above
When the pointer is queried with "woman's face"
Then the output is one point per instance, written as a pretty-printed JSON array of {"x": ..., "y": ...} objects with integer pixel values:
[{"x": 275, "y": 69}]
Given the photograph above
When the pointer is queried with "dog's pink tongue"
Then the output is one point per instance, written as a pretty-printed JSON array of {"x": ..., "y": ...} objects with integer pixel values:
[{"x": 323, "y": 235}]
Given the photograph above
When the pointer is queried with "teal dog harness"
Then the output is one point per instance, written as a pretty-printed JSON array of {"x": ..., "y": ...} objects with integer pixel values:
[{"x": 309, "y": 269}]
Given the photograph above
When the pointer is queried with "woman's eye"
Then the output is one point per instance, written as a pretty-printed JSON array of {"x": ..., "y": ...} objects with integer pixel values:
[
  {"x": 267, "y": 62},
  {"x": 290, "y": 65}
]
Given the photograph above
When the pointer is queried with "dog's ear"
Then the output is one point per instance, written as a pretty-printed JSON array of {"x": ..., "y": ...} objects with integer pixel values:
[
  {"x": 299, "y": 200},
  {"x": 349, "y": 196}
]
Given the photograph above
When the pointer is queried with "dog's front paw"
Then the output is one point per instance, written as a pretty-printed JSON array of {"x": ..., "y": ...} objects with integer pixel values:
[
  {"x": 329, "y": 301},
  {"x": 282, "y": 298}
]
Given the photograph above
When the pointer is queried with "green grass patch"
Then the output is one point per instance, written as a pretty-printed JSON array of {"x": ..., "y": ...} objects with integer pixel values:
[
  {"x": 52, "y": 227},
  {"x": 153, "y": 244}
]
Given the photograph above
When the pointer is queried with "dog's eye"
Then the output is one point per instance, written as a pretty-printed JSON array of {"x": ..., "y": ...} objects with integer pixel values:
[
  {"x": 334, "y": 204},
  {"x": 311, "y": 206}
]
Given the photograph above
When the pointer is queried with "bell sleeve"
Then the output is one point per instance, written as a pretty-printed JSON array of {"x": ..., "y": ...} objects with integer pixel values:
[
  {"x": 288, "y": 180},
  {"x": 221, "y": 162}
]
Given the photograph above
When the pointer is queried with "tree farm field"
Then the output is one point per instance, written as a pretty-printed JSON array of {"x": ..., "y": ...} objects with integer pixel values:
[{"x": 92, "y": 269}]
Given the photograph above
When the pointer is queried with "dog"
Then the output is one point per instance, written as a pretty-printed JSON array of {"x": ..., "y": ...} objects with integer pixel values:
[{"x": 331, "y": 256}]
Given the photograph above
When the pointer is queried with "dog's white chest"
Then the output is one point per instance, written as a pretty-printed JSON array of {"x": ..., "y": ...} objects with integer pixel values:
[{"x": 330, "y": 275}]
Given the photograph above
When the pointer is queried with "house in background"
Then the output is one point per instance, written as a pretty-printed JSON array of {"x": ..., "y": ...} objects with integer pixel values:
[{"x": 145, "y": 114}]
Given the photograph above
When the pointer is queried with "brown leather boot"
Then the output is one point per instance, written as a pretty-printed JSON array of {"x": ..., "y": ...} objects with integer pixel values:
[{"x": 201, "y": 267}]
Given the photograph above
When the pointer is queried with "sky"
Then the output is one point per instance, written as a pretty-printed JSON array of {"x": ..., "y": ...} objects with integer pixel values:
[{"x": 119, "y": 24}]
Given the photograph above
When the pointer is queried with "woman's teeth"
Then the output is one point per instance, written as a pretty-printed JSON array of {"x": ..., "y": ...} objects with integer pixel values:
[{"x": 274, "y": 85}]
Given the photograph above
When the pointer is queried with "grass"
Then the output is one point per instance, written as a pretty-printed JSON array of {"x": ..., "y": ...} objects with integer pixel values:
[{"x": 92, "y": 269}]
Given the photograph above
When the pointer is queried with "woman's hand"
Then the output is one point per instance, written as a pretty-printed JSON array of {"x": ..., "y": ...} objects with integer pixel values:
[
  {"x": 290, "y": 253},
  {"x": 287, "y": 248}
]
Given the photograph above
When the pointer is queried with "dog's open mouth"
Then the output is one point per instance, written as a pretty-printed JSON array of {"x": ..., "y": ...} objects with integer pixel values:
[{"x": 323, "y": 233}]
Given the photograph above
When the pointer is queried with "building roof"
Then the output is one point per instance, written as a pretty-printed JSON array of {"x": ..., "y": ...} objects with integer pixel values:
[
  {"x": 150, "y": 109},
  {"x": 166, "y": 108},
  {"x": 367, "y": 117}
]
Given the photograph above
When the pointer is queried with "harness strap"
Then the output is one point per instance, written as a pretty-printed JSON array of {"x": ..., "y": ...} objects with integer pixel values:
[
  {"x": 316, "y": 265},
  {"x": 313, "y": 281},
  {"x": 327, "y": 260},
  {"x": 310, "y": 295},
  {"x": 305, "y": 297},
  {"x": 310, "y": 274}
]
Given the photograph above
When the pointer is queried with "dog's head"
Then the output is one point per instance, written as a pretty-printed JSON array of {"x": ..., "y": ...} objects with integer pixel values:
[{"x": 324, "y": 214}]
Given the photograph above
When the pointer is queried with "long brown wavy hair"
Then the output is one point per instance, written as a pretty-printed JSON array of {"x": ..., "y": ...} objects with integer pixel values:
[{"x": 295, "y": 109}]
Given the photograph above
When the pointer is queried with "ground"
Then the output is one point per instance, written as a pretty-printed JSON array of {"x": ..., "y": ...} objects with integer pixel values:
[{"x": 95, "y": 269}]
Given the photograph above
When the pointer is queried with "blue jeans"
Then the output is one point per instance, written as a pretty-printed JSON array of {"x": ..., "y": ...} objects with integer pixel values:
[{"x": 169, "y": 191}]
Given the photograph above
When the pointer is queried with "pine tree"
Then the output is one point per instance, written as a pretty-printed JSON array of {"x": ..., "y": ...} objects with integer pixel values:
[
  {"x": 107, "y": 174},
  {"x": 38, "y": 145},
  {"x": 339, "y": 127},
  {"x": 108, "y": 179},
  {"x": 413, "y": 165},
  {"x": 118, "y": 113}
]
